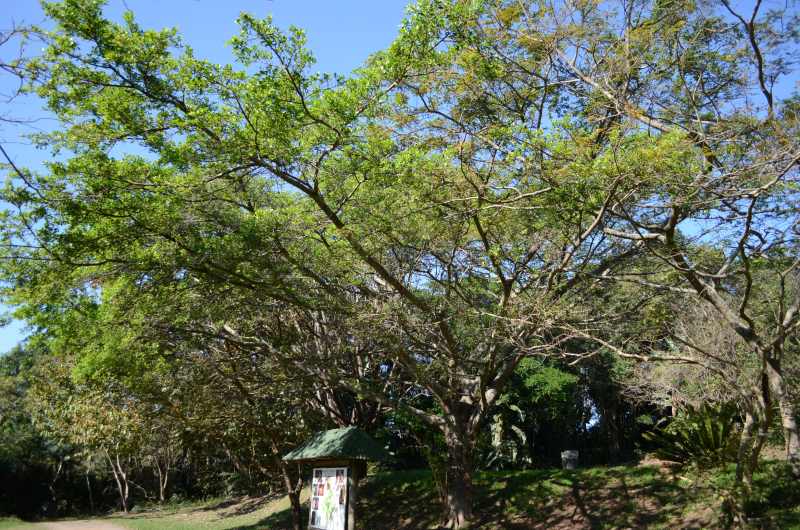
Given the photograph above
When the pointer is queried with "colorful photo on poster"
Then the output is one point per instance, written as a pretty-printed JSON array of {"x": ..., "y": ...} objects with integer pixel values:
[{"x": 328, "y": 499}]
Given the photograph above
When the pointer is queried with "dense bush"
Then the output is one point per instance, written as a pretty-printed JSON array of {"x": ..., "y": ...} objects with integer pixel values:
[{"x": 706, "y": 436}]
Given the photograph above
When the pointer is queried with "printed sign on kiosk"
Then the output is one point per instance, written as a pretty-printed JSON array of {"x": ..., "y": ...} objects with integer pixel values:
[{"x": 328, "y": 499}]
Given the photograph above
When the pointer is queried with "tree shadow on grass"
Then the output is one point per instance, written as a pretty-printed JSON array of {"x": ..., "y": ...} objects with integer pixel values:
[
  {"x": 631, "y": 497},
  {"x": 281, "y": 520},
  {"x": 776, "y": 502},
  {"x": 600, "y": 497},
  {"x": 620, "y": 497},
  {"x": 402, "y": 500},
  {"x": 246, "y": 505}
]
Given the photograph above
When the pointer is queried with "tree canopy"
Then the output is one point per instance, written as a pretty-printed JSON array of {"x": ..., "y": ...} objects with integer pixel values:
[{"x": 507, "y": 182}]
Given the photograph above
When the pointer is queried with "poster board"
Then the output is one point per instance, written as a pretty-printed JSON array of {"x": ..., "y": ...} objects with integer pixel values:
[{"x": 328, "y": 509}]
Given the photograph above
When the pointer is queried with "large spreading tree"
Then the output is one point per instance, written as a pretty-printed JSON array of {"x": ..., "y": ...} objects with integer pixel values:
[{"x": 420, "y": 227}]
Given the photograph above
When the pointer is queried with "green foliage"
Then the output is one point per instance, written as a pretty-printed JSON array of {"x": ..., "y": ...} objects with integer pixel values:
[
  {"x": 29, "y": 458},
  {"x": 538, "y": 394},
  {"x": 706, "y": 436},
  {"x": 244, "y": 252},
  {"x": 544, "y": 384}
]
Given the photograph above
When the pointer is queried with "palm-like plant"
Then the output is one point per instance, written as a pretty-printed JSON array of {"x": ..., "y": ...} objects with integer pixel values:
[{"x": 706, "y": 436}]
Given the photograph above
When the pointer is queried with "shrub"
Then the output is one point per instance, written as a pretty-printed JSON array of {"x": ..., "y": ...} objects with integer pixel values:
[{"x": 706, "y": 436}]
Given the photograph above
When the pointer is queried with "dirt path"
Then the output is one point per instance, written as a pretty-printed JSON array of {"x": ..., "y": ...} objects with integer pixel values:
[{"x": 79, "y": 525}]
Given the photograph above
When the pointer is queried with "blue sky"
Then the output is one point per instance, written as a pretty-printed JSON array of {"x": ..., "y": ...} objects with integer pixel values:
[{"x": 341, "y": 33}]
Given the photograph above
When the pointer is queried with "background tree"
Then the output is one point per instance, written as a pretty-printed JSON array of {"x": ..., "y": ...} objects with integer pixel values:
[
  {"x": 34, "y": 464},
  {"x": 700, "y": 80},
  {"x": 459, "y": 300}
]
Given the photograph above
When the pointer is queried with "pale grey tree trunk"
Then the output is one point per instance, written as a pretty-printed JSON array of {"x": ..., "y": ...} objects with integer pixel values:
[{"x": 788, "y": 414}]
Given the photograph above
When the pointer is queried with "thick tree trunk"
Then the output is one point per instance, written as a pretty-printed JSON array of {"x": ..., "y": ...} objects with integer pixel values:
[
  {"x": 459, "y": 478},
  {"x": 765, "y": 420},
  {"x": 790, "y": 432},
  {"x": 788, "y": 414},
  {"x": 758, "y": 418},
  {"x": 293, "y": 489},
  {"x": 761, "y": 438},
  {"x": 297, "y": 519},
  {"x": 746, "y": 461}
]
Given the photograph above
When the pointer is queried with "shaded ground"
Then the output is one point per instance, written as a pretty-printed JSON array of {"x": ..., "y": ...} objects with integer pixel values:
[
  {"x": 93, "y": 524},
  {"x": 620, "y": 497},
  {"x": 233, "y": 514},
  {"x": 643, "y": 496},
  {"x": 238, "y": 513}
]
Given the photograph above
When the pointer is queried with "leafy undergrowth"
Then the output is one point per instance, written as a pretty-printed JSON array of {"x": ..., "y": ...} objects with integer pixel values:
[{"x": 642, "y": 496}]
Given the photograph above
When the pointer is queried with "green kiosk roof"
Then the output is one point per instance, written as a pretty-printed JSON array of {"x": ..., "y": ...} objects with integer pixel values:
[{"x": 350, "y": 443}]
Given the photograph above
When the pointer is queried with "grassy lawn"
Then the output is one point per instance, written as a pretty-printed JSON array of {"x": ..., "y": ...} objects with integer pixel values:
[
  {"x": 262, "y": 512},
  {"x": 615, "y": 497},
  {"x": 642, "y": 496},
  {"x": 7, "y": 523}
]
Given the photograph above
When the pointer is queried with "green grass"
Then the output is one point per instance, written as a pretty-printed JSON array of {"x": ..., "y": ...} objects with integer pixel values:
[
  {"x": 213, "y": 515},
  {"x": 602, "y": 497},
  {"x": 775, "y": 500},
  {"x": 8, "y": 523},
  {"x": 643, "y": 496},
  {"x": 612, "y": 497}
]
